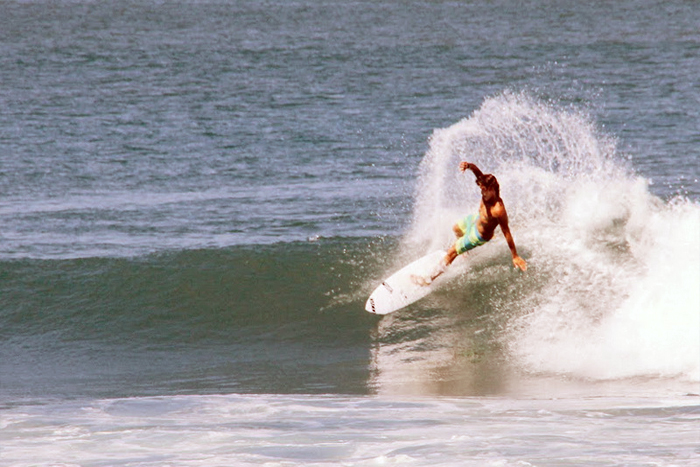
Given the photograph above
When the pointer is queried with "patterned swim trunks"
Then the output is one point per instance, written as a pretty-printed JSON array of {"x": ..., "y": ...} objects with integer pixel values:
[{"x": 470, "y": 234}]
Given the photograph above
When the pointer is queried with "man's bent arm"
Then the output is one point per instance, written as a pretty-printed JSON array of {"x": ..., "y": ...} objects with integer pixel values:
[{"x": 468, "y": 165}]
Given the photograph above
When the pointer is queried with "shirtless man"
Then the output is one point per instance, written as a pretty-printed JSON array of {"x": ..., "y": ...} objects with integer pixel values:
[{"x": 477, "y": 229}]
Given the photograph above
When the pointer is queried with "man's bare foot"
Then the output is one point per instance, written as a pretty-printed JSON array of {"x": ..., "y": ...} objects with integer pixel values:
[{"x": 422, "y": 281}]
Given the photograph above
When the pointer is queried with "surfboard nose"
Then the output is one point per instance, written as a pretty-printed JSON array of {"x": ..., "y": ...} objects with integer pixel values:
[{"x": 369, "y": 306}]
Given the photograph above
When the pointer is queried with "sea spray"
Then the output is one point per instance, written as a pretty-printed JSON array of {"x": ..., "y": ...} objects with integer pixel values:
[
  {"x": 535, "y": 149},
  {"x": 614, "y": 269}
]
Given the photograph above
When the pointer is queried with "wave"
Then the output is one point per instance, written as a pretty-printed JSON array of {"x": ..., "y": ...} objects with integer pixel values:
[
  {"x": 185, "y": 294},
  {"x": 610, "y": 293},
  {"x": 280, "y": 318},
  {"x": 267, "y": 319}
]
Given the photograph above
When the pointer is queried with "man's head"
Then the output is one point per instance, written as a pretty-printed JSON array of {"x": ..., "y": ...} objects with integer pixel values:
[{"x": 490, "y": 191}]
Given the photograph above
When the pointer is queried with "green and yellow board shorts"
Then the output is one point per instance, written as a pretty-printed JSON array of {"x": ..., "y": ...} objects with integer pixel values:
[{"x": 470, "y": 234}]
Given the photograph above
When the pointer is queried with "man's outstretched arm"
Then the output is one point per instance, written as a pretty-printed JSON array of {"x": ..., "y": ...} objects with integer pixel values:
[{"x": 518, "y": 262}]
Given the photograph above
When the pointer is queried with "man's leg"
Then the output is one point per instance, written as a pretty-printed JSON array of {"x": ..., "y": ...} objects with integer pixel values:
[
  {"x": 446, "y": 261},
  {"x": 439, "y": 269}
]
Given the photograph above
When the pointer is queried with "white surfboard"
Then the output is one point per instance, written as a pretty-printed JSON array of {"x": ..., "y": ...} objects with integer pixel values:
[{"x": 401, "y": 289}]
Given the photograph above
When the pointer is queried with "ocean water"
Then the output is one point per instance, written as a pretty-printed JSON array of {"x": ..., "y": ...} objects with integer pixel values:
[{"x": 197, "y": 197}]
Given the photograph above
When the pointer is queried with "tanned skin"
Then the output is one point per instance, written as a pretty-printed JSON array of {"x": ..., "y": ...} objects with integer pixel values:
[{"x": 492, "y": 213}]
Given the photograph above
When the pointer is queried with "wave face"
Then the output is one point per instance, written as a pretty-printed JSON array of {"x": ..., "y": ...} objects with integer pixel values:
[{"x": 242, "y": 319}]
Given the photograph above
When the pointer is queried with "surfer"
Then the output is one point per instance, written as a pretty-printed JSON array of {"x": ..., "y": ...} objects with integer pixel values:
[{"x": 477, "y": 229}]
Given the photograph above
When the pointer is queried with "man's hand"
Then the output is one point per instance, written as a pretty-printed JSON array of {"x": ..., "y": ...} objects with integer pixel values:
[
  {"x": 518, "y": 262},
  {"x": 463, "y": 166}
]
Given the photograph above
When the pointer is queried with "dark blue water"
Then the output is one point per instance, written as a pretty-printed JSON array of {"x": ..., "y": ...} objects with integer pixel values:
[{"x": 131, "y": 126}]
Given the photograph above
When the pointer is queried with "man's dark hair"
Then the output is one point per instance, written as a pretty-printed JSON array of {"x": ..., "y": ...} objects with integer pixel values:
[{"x": 489, "y": 181}]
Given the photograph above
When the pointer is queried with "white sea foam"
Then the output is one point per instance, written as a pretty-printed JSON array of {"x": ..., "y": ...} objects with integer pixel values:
[
  {"x": 302, "y": 430},
  {"x": 616, "y": 270}
]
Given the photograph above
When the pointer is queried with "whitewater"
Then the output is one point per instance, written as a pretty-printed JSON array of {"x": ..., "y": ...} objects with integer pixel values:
[{"x": 616, "y": 269}]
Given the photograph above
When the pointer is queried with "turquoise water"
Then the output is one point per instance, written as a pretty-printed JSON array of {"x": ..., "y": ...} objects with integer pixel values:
[{"x": 196, "y": 199}]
